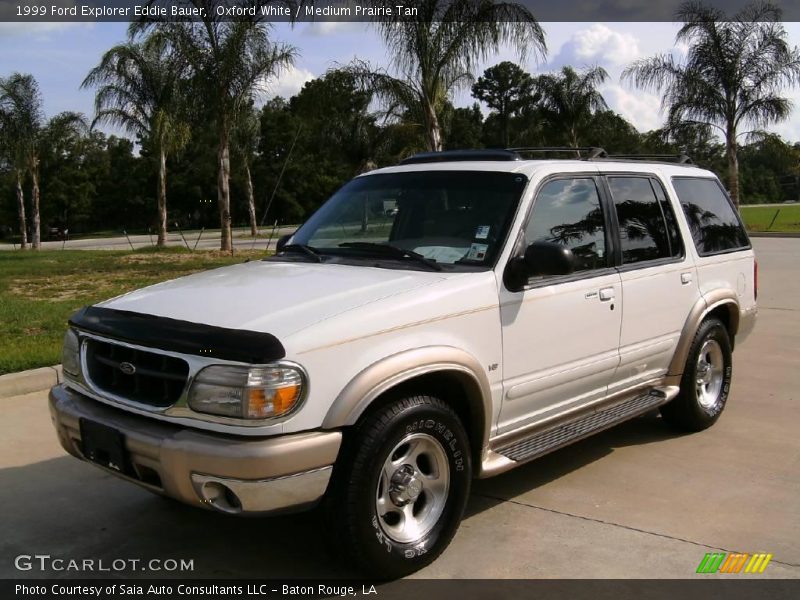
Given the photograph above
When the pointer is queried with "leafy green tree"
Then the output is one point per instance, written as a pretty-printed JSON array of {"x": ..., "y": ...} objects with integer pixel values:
[
  {"x": 436, "y": 53},
  {"x": 231, "y": 61},
  {"x": 570, "y": 98},
  {"x": 732, "y": 76},
  {"x": 141, "y": 90},
  {"x": 21, "y": 99},
  {"x": 506, "y": 89},
  {"x": 464, "y": 128}
]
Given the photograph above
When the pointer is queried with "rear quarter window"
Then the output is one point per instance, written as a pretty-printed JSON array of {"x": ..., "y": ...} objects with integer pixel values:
[{"x": 713, "y": 221}]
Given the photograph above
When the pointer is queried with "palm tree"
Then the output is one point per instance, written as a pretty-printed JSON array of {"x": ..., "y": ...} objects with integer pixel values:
[
  {"x": 569, "y": 99},
  {"x": 231, "y": 62},
  {"x": 141, "y": 90},
  {"x": 10, "y": 153},
  {"x": 21, "y": 101},
  {"x": 436, "y": 53},
  {"x": 732, "y": 75},
  {"x": 246, "y": 137}
]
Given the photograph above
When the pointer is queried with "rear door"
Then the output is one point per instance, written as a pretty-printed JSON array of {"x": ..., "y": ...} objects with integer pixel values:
[
  {"x": 561, "y": 333},
  {"x": 659, "y": 280}
]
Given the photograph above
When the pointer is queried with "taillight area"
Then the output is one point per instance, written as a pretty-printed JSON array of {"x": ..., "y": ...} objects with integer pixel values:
[{"x": 755, "y": 279}]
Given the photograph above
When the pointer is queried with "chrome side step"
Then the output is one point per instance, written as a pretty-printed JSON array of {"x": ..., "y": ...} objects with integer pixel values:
[{"x": 542, "y": 442}]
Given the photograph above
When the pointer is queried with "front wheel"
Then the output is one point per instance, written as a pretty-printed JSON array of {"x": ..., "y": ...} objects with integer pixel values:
[
  {"x": 706, "y": 380},
  {"x": 400, "y": 487}
]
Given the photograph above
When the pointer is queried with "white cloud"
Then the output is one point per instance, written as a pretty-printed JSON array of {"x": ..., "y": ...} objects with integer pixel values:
[
  {"x": 640, "y": 108},
  {"x": 599, "y": 44},
  {"x": 287, "y": 83},
  {"x": 328, "y": 28}
]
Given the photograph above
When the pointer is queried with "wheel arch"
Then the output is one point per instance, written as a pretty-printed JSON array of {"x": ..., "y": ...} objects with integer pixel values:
[
  {"x": 722, "y": 304},
  {"x": 445, "y": 371}
]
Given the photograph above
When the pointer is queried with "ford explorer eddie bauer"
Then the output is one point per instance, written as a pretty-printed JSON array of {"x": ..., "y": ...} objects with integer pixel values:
[{"x": 448, "y": 318}]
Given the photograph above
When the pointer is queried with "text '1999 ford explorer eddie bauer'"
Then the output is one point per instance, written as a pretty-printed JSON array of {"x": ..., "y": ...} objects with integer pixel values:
[{"x": 452, "y": 317}]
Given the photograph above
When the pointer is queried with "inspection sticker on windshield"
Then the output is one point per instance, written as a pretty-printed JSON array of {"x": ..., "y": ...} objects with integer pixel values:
[
  {"x": 482, "y": 232},
  {"x": 477, "y": 251}
]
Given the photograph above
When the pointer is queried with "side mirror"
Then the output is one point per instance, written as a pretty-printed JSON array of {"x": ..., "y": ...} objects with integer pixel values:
[
  {"x": 540, "y": 258},
  {"x": 282, "y": 241},
  {"x": 549, "y": 258}
]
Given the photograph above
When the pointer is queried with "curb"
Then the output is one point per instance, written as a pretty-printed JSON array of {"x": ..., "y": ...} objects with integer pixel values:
[{"x": 26, "y": 382}]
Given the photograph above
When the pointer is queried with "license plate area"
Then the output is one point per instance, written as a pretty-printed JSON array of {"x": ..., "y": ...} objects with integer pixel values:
[{"x": 105, "y": 446}]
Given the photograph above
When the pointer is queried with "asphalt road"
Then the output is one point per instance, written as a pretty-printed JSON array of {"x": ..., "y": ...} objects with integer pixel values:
[
  {"x": 208, "y": 240},
  {"x": 637, "y": 501}
]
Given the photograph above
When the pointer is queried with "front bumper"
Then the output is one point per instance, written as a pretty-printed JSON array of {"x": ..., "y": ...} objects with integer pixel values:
[{"x": 232, "y": 474}]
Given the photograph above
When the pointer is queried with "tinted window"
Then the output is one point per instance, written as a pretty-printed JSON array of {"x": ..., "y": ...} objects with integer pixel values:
[
  {"x": 675, "y": 239},
  {"x": 642, "y": 227},
  {"x": 712, "y": 219},
  {"x": 568, "y": 212}
]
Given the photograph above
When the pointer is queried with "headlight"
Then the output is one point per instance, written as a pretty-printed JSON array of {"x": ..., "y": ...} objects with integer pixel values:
[
  {"x": 247, "y": 392},
  {"x": 70, "y": 354}
]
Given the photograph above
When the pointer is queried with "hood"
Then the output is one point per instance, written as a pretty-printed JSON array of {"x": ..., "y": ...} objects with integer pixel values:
[{"x": 271, "y": 297}]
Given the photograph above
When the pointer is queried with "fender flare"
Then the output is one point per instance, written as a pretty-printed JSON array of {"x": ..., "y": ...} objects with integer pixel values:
[
  {"x": 388, "y": 372},
  {"x": 704, "y": 305}
]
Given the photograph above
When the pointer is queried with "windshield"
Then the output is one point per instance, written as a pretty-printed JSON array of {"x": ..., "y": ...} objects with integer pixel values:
[{"x": 455, "y": 218}]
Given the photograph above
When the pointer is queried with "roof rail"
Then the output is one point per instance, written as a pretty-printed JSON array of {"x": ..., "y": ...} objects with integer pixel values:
[
  {"x": 680, "y": 158},
  {"x": 460, "y": 155},
  {"x": 590, "y": 151}
]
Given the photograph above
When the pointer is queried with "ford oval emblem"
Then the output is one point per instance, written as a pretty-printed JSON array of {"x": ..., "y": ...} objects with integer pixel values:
[{"x": 127, "y": 368}]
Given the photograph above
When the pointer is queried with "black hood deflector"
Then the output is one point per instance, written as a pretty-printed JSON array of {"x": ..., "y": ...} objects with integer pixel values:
[{"x": 179, "y": 336}]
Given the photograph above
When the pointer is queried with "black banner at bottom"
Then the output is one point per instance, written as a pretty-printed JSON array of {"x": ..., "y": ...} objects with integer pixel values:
[{"x": 408, "y": 589}]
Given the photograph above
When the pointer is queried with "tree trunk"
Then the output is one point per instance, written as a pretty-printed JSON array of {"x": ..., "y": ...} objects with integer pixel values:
[
  {"x": 23, "y": 225},
  {"x": 162, "y": 199},
  {"x": 251, "y": 201},
  {"x": 224, "y": 191},
  {"x": 434, "y": 130},
  {"x": 36, "y": 236},
  {"x": 733, "y": 165}
]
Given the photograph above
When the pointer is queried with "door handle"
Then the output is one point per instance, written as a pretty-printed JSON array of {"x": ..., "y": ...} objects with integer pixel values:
[
  {"x": 606, "y": 294},
  {"x": 686, "y": 278}
]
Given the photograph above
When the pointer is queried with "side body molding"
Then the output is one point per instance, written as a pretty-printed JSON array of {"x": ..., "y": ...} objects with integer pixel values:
[
  {"x": 393, "y": 370},
  {"x": 707, "y": 303}
]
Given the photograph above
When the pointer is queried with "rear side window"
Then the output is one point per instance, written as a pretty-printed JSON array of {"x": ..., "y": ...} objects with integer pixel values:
[
  {"x": 712, "y": 219},
  {"x": 644, "y": 229}
]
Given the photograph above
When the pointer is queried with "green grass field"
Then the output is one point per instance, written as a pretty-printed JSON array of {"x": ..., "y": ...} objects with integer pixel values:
[
  {"x": 758, "y": 218},
  {"x": 40, "y": 290}
]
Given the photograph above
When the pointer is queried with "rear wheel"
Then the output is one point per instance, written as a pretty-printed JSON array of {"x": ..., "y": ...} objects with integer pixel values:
[
  {"x": 706, "y": 380},
  {"x": 400, "y": 487}
]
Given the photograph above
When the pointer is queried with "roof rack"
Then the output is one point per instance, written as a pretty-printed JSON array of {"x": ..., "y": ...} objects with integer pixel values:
[
  {"x": 511, "y": 154},
  {"x": 460, "y": 155},
  {"x": 590, "y": 151},
  {"x": 682, "y": 159}
]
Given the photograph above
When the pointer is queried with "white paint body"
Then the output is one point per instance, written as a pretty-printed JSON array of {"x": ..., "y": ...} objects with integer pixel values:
[{"x": 554, "y": 346}]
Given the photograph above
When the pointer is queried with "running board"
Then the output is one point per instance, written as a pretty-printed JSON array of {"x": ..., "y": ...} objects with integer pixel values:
[{"x": 556, "y": 437}]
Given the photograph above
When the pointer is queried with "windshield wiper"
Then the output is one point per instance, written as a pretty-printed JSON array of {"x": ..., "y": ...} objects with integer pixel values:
[
  {"x": 394, "y": 252},
  {"x": 313, "y": 253}
]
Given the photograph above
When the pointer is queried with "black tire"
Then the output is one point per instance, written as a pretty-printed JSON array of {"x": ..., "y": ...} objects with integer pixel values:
[
  {"x": 692, "y": 410},
  {"x": 363, "y": 536}
]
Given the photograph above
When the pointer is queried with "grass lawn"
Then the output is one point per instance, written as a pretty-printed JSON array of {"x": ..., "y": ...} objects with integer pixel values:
[
  {"x": 40, "y": 290},
  {"x": 758, "y": 218}
]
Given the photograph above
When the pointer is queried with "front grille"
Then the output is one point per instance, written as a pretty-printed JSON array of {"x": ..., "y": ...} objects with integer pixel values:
[{"x": 157, "y": 380}]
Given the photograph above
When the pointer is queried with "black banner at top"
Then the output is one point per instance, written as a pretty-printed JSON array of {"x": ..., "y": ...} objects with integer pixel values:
[{"x": 348, "y": 10}]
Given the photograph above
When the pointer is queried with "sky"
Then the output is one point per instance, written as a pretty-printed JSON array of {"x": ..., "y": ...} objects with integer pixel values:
[{"x": 60, "y": 54}]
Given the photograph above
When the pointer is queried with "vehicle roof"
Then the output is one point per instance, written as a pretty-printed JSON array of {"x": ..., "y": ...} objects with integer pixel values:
[{"x": 550, "y": 166}]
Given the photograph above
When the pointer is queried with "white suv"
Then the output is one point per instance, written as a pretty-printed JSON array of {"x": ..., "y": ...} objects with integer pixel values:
[{"x": 448, "y": 318}]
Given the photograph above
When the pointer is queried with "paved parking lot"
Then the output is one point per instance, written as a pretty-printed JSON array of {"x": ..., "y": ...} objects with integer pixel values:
[{"x": 635, "y": 501}]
